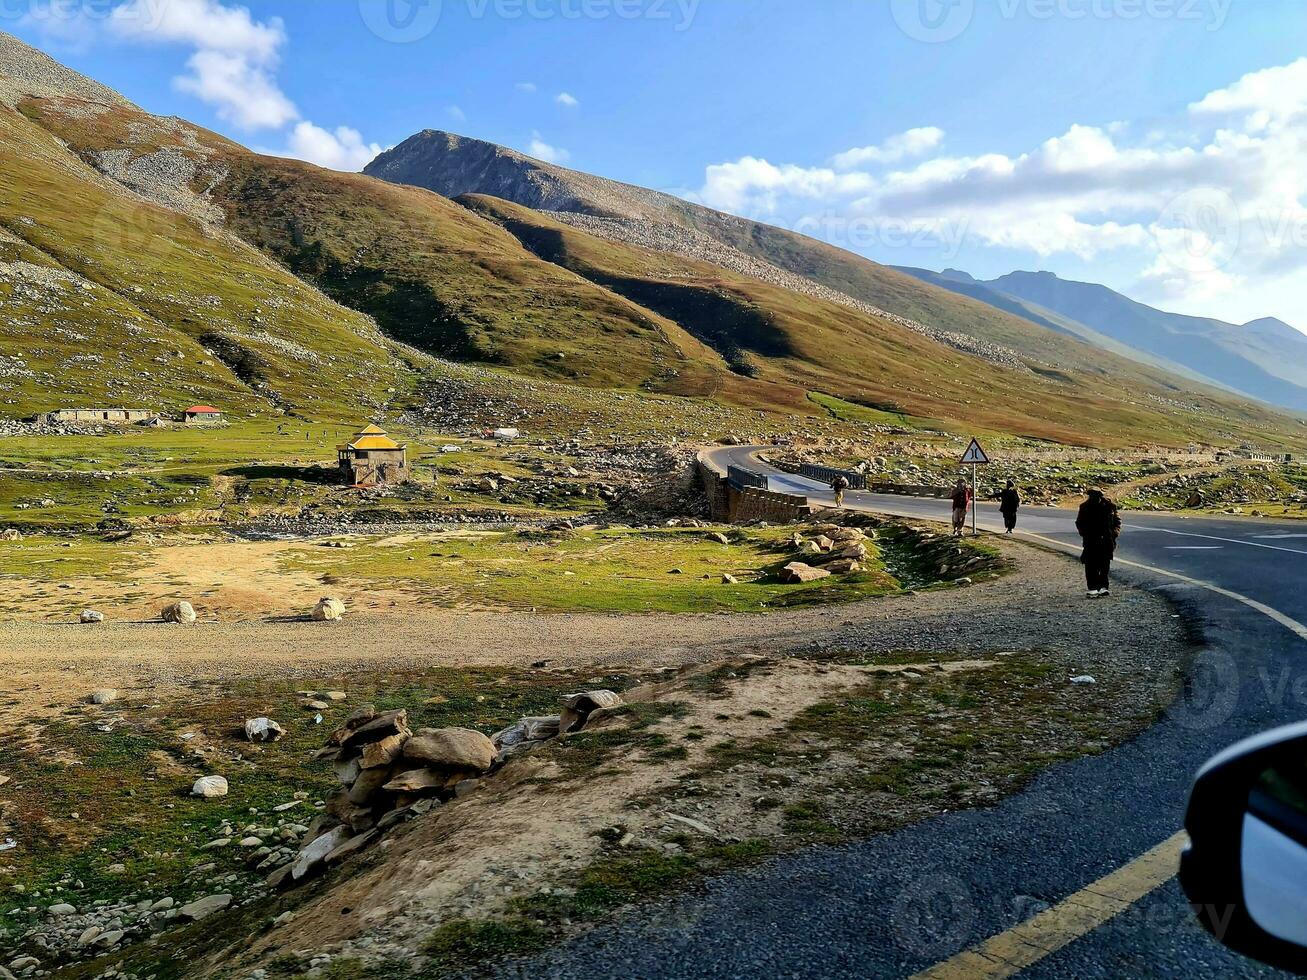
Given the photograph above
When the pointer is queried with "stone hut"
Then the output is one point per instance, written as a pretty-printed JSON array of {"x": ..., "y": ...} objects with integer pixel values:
[
  {"x": 100, "y": 416},
  {"x": 201, "y": 415},
  {"x": 373, "y": 459}
]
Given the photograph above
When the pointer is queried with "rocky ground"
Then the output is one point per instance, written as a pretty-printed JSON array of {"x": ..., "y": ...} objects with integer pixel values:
[{"x": 761, "y": 733}]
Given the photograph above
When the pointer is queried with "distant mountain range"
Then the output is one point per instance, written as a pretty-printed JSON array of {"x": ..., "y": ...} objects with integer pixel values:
[{"x": 1265, "y": 359}]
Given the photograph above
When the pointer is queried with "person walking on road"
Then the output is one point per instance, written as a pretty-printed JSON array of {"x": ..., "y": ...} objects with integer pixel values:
[
  {"x": 839, "y": 485},
  {"x": 1009, "y": 502},
  {"x": 1099, "y": 525},
  {"x": 961, "y": 501}
]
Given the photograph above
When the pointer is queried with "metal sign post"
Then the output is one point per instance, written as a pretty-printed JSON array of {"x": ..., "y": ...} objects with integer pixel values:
[{"x": 977, "y": 458}]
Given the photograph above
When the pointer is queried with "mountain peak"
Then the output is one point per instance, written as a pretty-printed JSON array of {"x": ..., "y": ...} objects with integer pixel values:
[
  {"x": 1269, "y": 326},
  {"x": 26, "y": 72}
]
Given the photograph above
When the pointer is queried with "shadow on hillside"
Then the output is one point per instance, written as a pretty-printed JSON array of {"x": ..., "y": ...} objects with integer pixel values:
[{"x": 322, "y": 475}]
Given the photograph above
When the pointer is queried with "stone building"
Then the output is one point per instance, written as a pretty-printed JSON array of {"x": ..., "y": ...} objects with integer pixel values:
[
  {"x": 201, "y": 414},
  {"x": 100, "y": 416},
  {"x": 373, "y": 459}
]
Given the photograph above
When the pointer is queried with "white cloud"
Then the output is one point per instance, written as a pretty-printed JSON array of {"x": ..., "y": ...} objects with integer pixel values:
[
  {"x": 541, "y": 150},
  {"x": 527, "y": 87},
  {"x": 751, "y": 185},
  {"x": 1159, "y": 205},
  {"x": 567, "y": 99},
  {"x": 240, "y": 92},
  {"x": 341, "y": 149},
  {"x": 235, "y": 61},
  {"x": 902, "y": 146},
  {"x": 232, "y": 67},
  {"x": 201, "y": 23},
  {"x": 1263, "y": 98},
  {"x": 456, "y": 113}
]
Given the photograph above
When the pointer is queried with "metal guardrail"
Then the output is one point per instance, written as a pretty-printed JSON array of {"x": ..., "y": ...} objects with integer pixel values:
[
  {"x": 740, "y": 478},
  {"x": 825, "y": 474}
]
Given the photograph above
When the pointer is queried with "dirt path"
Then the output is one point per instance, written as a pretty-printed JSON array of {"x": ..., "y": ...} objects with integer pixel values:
[{"x": 46, "y": 666}]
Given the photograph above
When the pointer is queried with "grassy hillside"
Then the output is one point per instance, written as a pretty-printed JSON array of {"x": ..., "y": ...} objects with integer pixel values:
[
  {"x": 779, "y": 336},
  {"x": 216, "y": 266},
  {"x": 431, "y": 273},
  {"x": 109, "y": 298}
]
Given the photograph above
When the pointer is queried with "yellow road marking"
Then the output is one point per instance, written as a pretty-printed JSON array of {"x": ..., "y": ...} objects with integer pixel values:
[{"x": 1026, "y": 944}]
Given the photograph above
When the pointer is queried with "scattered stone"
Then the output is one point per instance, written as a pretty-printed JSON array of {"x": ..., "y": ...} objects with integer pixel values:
[
  {"x": 1084, "y": 679},
  {"x": 105, "y": 695},
  {"x": 209, "y": 787},
  {"x": 89, "y": 616},
  {"x": 63, "y": 908},
  {"x": 577, "y": 708},
  {"x": 798, "y": 572},
  {"x": 313, "y": 855},
  {"x": 262, "y": 730},
  {"x": 328, "y": 610},
  {"x": 204, "y": 907},
  {"x": 693, "y": 824},
  {"x": 717, "y": 536},
  {"x": 179, "y": 612}
]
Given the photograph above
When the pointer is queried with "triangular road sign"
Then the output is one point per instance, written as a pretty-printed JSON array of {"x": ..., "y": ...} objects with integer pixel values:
[{"x": 975, "y": 454}]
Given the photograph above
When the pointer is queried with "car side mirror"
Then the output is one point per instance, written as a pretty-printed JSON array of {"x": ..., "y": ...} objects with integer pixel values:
[{"x": 1245, "y": 869}]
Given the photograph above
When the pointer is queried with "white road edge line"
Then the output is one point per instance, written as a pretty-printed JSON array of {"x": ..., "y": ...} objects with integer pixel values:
[{"x": 1215, "y": 537}]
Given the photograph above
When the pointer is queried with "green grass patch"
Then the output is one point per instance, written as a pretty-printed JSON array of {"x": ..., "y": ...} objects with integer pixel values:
[{"x": 615, "y": 571}]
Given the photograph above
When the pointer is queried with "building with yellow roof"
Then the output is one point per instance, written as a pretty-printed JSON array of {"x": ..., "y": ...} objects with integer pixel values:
[{"x": 373, "y": 459}]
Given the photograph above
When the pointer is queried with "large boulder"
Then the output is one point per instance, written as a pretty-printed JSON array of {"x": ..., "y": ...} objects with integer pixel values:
[
  {"x": 328, "y": 610},
  {"x": 209, "y": 787},
  {"x": 11, "y": 534},
  {"x": 90, "y": 616},
  {"x": 451, "y": 748},
  {"x": 796, "y": 572},
  {"x": 179, "y": 612},
  {"x": 104, "y": 695}
]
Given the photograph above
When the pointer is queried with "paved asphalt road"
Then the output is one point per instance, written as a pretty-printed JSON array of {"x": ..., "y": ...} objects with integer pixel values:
[{"x": 901, "y": 902}]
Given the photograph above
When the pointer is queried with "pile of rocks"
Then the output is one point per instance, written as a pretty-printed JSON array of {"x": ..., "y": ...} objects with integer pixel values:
[
  {"x": 390, "y": 774},
  {"x": 831, "y": 550}
]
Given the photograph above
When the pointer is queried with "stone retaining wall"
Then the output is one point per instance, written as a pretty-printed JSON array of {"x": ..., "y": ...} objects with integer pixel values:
[{"x": 729, "y": 502}]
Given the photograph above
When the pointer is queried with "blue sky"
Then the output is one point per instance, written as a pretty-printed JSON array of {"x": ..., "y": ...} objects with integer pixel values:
[{"x": 1149, "y": 144}]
